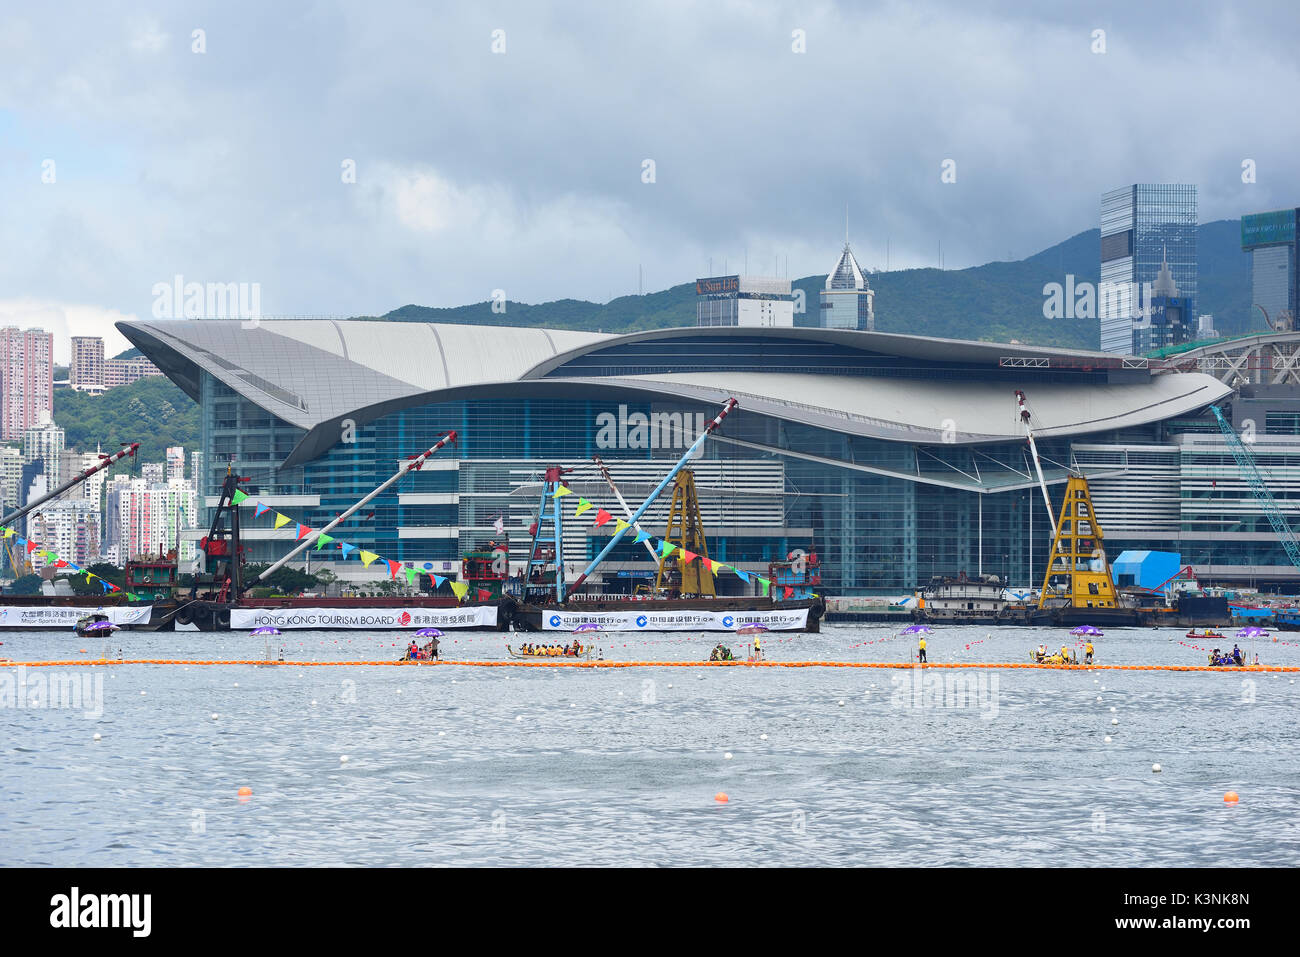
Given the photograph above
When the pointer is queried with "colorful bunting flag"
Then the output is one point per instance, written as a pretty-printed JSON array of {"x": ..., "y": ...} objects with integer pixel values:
[
  {"x": 764, "y": 584},
  {"x": 643, "y": 536},
  {"x": 393, "y": 568},
  {"x": 368, "y": 557},
  {"x": 437, "y": 580},
  {"x": 484, "y": 594},
  {"x": 583, "y": 505},
  {"x": 347, "y": 549},
  {"x": 410, "y": 576},
  {"x": 618, "y": 528},
  {"x": 788, "y": 591},
  {"x": 666, "y": 548},
  {"x": 261, "y": 510},
  {"x": 743, "y": 576},
  {"x": 602, "y": 517},
  {"x": 688, "y": 555},
  {"x": 281, "y": 520},
  {"x": 560, "y": 492},
  {"x": 303, "y": 532},
  {"x": 460, "y": 589},
  {"x": 322, "y": 540},
  {"x": 238, "y": 497}
]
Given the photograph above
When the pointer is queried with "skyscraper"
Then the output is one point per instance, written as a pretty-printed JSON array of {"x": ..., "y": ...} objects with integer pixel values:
[
  {"x": 45, "y": 441},
  {"x": 86, "y": 371},
  {"x": 26, "y": 379},
  {"x": 846, "y": 302},
  {"x": 1271, "y": 240},
  {"x": 1141, "y": 225}
]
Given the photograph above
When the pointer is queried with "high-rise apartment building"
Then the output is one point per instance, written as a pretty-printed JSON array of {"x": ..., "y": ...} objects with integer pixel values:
[
  {"x": 26, "y": 379},
  {"x": 147, "y": 518},
  {"x": 45, "y": 441},
  {"x": 1141, "y": 225},
  {"x": 86, "y": 370}
]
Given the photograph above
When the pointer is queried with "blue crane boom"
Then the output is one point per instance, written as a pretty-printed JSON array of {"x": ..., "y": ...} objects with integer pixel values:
[{"x": 1262, "y": 494}]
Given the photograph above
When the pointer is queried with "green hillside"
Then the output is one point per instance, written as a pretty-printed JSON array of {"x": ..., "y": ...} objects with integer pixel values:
[
  {"x": 998, "y": 301},
  {"x": 151, "y": 411}
]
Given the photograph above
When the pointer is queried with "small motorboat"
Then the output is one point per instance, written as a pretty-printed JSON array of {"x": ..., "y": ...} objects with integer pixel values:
[
  {"x": 1206, "y": 633},
  {"x": 95, "y": 624}
]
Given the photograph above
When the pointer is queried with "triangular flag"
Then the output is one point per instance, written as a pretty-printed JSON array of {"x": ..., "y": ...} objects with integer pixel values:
[
  {"x": 666, "y": 548},
  {"x": 765, "y": 584},
  {"x": 433, "y": 579},
  {"x": 461, "y": 589},
  {"x": 261, "y": 510},
  {"x": 31, "y": 547},
  {"x": 484, "y": 594},
  {"x": 583, "y": 505},
  {"x": 687, "y": 555},
  {"x": 367, "y": 557},
  {"x": 322, "y": 540},
  {"x": 303, "y": 532},
  {"x": 438, "y": 580},
  {"x": 347, "y": 549},
  {"x": 238, "y": 497},
  {"x": 410, "y": 576},
  {"x": 788, "y": 591},
  {"x": 602, "y": 517},
  {"x": 9, "y": 532},
  {"x": 743, "y": 576},
  {"x": 393, "y": 568},
  {"x": 103, "y": 584},
  {"x": 618, "y": 528},
  {"x": 560, "y": 492},
  {"x": 281, "y": 520},
  {"x": 643, "y": 536}
]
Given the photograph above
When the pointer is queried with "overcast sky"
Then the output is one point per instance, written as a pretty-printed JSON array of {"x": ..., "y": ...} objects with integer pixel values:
[{"x": 523, "y": 170}]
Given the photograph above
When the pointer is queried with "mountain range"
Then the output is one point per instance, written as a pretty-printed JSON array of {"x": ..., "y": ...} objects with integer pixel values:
[{"x": 996, "y": 302}]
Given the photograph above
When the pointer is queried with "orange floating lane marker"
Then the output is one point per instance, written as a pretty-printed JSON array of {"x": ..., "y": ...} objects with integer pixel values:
[{"x": 1230, "y": 798}]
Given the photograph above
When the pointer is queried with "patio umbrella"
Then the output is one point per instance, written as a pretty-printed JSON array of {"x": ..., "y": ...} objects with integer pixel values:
[
  {"x": 1086, "y": 631},
  {"x": 1252, "y": 631},
  {"x": 753, "y": 628},
  {"x": 264, "y": 630},
  {"x": 917, "y": 630},
  {"x": 587, "y": 626},
  {"x": 101, "y": 626},
  {"x": 428, "y": 633}
]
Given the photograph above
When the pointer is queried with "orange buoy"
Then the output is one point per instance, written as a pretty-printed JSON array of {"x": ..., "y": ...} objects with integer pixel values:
[
  {"x": 721, "y": 797},
  {"x": 1230, "y": 798},
  {"x": 245, "y": 791}
]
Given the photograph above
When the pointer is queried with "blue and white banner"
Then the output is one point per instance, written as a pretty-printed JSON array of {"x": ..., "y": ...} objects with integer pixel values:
[
  {"x": 67, "y": 616},
  {"x": 795, "y": 619}
]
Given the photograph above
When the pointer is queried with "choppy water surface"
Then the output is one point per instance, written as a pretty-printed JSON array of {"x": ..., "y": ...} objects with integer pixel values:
[{"x": 458, "y": 765}]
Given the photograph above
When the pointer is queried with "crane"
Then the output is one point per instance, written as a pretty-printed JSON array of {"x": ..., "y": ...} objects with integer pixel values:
[{"x": 1246, "y": 462}]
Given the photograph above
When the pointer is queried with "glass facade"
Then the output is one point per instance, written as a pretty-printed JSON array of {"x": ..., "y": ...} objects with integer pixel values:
[
  {"x": 1272, "y": 241},
  {"x": 1140, "y": 225}
]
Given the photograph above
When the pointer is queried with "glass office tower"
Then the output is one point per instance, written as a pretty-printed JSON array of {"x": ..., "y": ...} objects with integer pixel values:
[
  {"x": 1141, "y": 225},
  {"x": 1270, "y": 238}
]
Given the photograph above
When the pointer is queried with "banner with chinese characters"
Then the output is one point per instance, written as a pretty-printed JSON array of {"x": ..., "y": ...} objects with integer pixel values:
[
  {"x": 469, "y": 616},
  {"x": 67, "y": 616},
  {"x": 794, "y": 619}
]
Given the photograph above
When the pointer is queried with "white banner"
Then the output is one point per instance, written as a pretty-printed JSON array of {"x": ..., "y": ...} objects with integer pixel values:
[
  {"x": 687, "y": 620},
  {"x": 67, "y": 616},
  {"x": 468, "y": 616}
]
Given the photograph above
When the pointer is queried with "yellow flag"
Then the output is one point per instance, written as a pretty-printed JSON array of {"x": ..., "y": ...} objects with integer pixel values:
[
  {"x": 562, "y": 491},
  {"x": 583, "y": 505},
  {"x": 368, "y": 557},
  {"x": 460, "y": 588},
  {"x": 9, "y": 532},
  {"x": 281, "y": 520},
  {"x": 620, "y": 526}
]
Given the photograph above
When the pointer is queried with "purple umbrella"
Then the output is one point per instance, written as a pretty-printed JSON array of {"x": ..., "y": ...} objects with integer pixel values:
[
  {"x": 428, "y": 633},
  {"x": 264, "y": 630},
  {"x": 100, "y": 626},
  {"x": 1252, "y": 631},
  {"x": 916, "y": 630},
  {"x": 753, "y": 628},
  {"x": 1087, "y": 631},
  {"x": 587, "y": 626}
]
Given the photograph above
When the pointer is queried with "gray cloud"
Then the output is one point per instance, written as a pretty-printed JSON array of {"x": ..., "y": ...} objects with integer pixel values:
[{"x": 522, "y": 171}]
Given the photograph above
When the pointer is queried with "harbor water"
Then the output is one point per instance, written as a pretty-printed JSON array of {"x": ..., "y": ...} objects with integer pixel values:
[{"x": 450, "y": 765}]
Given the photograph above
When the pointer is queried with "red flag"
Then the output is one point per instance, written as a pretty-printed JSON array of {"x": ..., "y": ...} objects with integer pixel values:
[
  {"x": 393, "y": 568},
  {"x": 303, "y": 532},
  {"x": 602, "y": 517},
  {"x": 788, "y": 591},
  {"x": 688, "y": 556},
  {"x": 484, "y": 594},
  {"x": 31, "y": 547}
]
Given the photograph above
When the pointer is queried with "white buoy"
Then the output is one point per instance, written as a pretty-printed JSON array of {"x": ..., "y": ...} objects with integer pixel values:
[
  {"x": 1112, "y": 710},
  {"x": 98, "y": 736},
  {"x": 620, "y": 694},
  {"x": 519, "y": 717},
  {"x": 215, "y": 716},
  {"x": 343, "y": 759},
  {"x": 841, "y": 702},
  {"x": 670, "y": 686},
  {"x": 762, "y": 737},
  {"x": 727, "y": 756},
  {"x": 1155, "y": 768},
  {"x": 143, "y": 693},
  {"x": 399, "y": 691},
  {"x": 1114, "y": 720},
  {"x": 1098, "y": 697},
  {"x": 1108, "y": 739},
  {"x": 572, "y": 705},
  {"x": 313, "y": 702},
  {"x": 442, "y": 734},
  {"x": 1103, "y": 687},
  {"x": 236, "y": 684}
]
